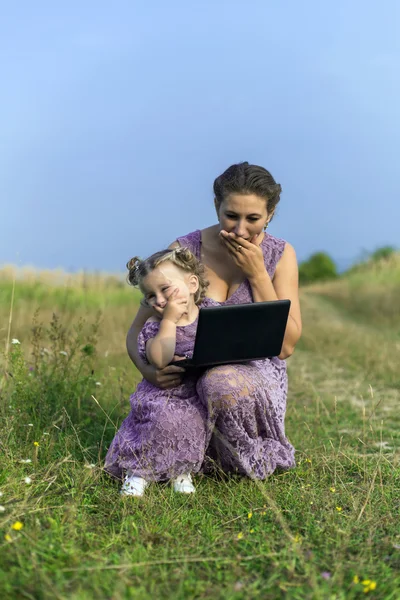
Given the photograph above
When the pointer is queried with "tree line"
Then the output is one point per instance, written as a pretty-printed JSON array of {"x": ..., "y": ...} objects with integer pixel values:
[{"x": 321, "y": 267}]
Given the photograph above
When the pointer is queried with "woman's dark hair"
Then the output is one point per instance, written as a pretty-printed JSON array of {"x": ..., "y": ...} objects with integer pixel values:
[
  {"x": 248, "y": 179},
  {"x": 181, "y": 257}
]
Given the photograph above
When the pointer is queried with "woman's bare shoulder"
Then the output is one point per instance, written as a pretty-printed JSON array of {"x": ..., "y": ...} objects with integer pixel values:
[{"x": 288, "y": 256}]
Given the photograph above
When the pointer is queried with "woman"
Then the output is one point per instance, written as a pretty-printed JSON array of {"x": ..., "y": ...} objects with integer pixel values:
[{"x": 246, "y": 403}]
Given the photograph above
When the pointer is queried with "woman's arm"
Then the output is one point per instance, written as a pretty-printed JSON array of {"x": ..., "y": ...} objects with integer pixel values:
[
  {"x": 249, "y": 258},
  {"x": 143, "y": 314},
  {"x": 285, "y": 285}
]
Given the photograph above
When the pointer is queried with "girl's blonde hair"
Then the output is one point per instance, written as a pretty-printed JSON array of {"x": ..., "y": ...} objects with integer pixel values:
[{"x": 183, "y": 258}]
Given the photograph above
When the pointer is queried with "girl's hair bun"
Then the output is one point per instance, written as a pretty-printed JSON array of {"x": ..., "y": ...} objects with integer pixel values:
[{"x": 133, "y": 266}]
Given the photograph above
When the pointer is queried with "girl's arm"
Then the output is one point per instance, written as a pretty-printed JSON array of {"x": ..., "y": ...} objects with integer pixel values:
[
  {"x": 160, "y": 349},
  {"x": 166, "y": 378}
]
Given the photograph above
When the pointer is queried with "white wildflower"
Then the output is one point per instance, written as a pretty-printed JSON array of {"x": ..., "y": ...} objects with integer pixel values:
[
  {"x": 28, "y": 480},
  {"x": 15, "y": 341},
  {"x": 45, "y": 433},
  {"x": 30, "y": 424},
  {"x": 63, "y": 353},
  {"x": 25, "y": 461},
  {"x": 98, "y": 383},
  {"x": 2, "y": 508},
  {"x": 90, "y": 466},
  {"x": 1, "y": 493}
]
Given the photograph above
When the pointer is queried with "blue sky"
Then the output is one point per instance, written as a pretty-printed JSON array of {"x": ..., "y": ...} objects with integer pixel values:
[{"x": 115, "y": 120}]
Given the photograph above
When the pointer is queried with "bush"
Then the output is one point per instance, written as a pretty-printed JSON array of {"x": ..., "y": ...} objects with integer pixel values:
[
  {"x": 319, "y": 267},
  {"x": 382, "y": 253}
]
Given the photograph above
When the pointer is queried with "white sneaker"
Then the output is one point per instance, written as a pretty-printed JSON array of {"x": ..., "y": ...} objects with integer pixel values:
[
  {"x": 184, "y": 484},
  {"x": 133, "y": 486}
]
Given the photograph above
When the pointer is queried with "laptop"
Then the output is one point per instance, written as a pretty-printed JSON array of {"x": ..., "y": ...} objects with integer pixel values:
[{"x": 238, "y": 333}]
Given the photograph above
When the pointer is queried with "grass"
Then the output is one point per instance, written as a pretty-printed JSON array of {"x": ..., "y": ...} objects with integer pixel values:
[{"x": 317, "y": 531}]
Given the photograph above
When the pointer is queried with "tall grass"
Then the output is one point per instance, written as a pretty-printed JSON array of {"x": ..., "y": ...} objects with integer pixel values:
[
  {"x": 327, "y": 529},
  {"x": 369, "y": 291}
]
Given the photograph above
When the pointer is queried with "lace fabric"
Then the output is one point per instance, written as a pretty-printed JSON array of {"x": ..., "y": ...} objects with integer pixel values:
[
  {"x": 246, "y": 403},
  {"x": 232, "y": 414}
]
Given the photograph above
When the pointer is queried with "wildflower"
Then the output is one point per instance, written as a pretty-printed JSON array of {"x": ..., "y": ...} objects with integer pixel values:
[
  {"x": 90, "y": 466},
  {"x": 369, "y": 585},
  {"x": 63, "y": 353},
  {"x": 98, "y": 383},
  {"x": 17, "y": 526},
  {"x": 356, "y": 579},
  {"x": 249, "y": 515},
  {"x": 8, "y": 537},
  {"x": 2, "y": 508},
  {"x": 308, "y": 460},
  {"x": 332, "y": 489},
  {"x": 28, "y": 480},
  {"x": 297, "y": 538},
  {"x": 251, "y": 530},
  {"x": 45, "y": 433},
  {"x": 36, "y": 444},
  {"x": 25, "y": 461},
  {"x": 311, "y": 502},
  {"x": 264, "y": 513},
  {"x": 1, "y": 493},
  {"x": 325, "y": 575},
  {"x": 339, "y": 508},
  {"x": 15, "y": 341},
  {"x": 30, "y": 424},
  {"x": 239, "y": 536}
]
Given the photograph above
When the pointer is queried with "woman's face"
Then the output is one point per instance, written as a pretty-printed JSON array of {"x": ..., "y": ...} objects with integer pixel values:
[{"x": 243, "y": 214}]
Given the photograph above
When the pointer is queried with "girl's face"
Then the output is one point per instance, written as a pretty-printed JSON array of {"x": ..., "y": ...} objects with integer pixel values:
[
  {"x": 158, "y": 285},
  {"x": 243, "y": 214}
]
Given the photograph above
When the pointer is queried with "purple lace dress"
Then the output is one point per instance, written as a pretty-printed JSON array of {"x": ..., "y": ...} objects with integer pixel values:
[
  {"x": 246, "y": 403},
  {"x": 232, "y": 414},
  {"x": 164, "y": 434}
]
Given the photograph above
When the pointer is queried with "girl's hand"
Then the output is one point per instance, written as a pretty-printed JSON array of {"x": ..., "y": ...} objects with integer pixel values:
[
  {"x": 247, "y": 255},
  {"x": 175, "y": 308},
  {"x": 169, "y": 377}
]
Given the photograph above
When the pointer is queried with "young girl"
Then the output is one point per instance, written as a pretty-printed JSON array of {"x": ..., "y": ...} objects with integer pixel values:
[{"x": 163, "y": 437}]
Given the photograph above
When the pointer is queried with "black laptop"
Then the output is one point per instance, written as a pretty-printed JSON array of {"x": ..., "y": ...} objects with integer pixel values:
[{"x": 238, "y": 333}]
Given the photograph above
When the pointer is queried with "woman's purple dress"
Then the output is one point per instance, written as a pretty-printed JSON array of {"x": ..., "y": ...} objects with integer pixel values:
[
  {"x": 232, "y": 414},
  {"x": 246, "y": 403},
  {"x": 164, "y": 434}
]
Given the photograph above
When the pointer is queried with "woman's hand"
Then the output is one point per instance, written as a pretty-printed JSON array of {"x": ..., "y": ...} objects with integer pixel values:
[
  {"x": 247, "y": 255},
  {"x": 166, "y": 378}
]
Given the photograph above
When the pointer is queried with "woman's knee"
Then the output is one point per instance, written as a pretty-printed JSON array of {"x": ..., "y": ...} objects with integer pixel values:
[{"x": 225, "y": 387}]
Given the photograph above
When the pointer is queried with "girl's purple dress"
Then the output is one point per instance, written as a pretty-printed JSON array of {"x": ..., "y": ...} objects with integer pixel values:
[
  {"x": 232, "y": 414},
  {"x": 164, "y": 434}
]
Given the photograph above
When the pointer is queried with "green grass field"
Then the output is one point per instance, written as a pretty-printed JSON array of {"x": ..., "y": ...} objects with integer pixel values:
[{"x": 328, "y": 529}]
